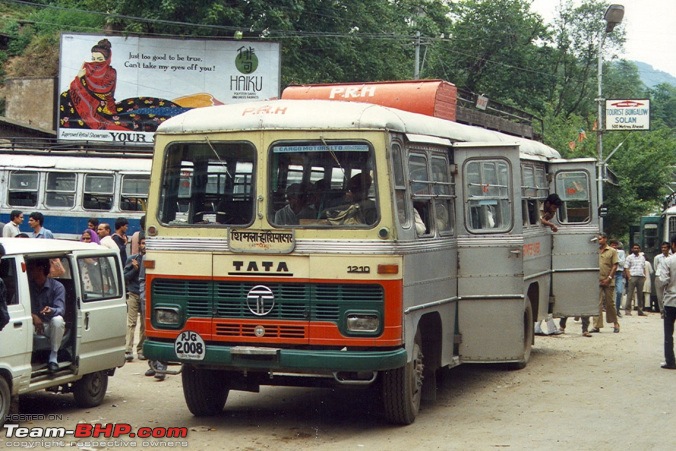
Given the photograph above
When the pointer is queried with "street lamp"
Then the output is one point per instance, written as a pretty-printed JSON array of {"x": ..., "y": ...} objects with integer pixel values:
[{"x": 613, "y": 16}]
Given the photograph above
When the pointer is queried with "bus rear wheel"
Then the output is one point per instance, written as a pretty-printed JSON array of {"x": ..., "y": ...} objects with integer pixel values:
[
  {"x": 205, "y": 391},
  {"x": 527, "y": 338},
  {"x": 402, "y": 388}
]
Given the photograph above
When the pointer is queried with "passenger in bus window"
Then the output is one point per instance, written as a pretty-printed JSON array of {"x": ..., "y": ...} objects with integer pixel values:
[
  {"x": 11, "y": 229},
  {"x": 36, "y": 221},
  {"x": 548, "y": 211},
  {"x": 297, "y": 207}
]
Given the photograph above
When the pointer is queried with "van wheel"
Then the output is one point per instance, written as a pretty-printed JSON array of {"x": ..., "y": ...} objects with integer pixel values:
[
  {"x": 90, "y": 390},
  {"x": 5, "y": 400},
  {"x": 205, "y": 391},
  {"x": 402, "y": 388}
]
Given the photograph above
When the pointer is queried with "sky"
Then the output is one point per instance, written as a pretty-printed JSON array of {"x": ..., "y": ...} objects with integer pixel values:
[{"x": 651, "y": 34}]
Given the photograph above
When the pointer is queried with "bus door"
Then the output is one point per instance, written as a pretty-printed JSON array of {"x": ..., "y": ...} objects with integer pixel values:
[
  {"x": 574, "y": 245},
  {"x": 490, "y": 264}
]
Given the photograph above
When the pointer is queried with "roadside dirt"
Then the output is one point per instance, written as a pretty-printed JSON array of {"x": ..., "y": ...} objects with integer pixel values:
[{"x": 601, "y": 393}]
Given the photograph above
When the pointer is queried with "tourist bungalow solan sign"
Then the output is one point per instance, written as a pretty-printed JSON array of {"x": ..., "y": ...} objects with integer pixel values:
[{"x": 622, "y": 114}]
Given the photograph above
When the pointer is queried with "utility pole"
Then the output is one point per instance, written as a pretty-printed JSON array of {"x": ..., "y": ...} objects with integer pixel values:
[{"x": 416, "y": 69}]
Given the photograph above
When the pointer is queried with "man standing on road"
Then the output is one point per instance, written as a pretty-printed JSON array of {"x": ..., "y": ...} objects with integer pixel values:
[
  {"x": 657, "y": 265},
  {"x": 668, "y": 278},
  {"x": 11, "y": 229},
  {"x": 608, "y": 262},
  {"x": 36, "y": 221},
  {"x": 634, "y": 271}
]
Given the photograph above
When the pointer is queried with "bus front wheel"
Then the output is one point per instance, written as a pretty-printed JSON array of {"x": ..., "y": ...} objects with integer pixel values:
[
  {"x": 402, "y": 388},
  {"x": 205, "y": 391}
]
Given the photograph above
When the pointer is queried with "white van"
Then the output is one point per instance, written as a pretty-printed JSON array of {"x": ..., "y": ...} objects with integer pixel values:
[{"x": 95, "y": 317}]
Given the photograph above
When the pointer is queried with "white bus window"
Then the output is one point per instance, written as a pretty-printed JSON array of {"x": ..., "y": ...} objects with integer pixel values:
[
  {"x": 534, "y": 191},
  {"x": 208, "y": 183},
  {"x": 134, "y": 193},
  {"x": 23, "y": 189},
  {"x": 487, "y": 198},
  {"x": 573, "y": 189},
  {"x": 98, "y": 192},
  {"x": 419, "y": 178},
  {"x": 320, "y": 184},
  {"x": 401, "y": 204},
  {"x": 443, "y": 196},
  {"x": 60, "y": 190}
]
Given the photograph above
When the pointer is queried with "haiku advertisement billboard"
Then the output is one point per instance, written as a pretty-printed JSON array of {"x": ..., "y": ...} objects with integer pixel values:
[{"x": 120, "y": 89}]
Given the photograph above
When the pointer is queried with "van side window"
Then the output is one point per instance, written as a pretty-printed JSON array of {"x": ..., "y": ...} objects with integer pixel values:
[
  {"x": 534, "y": 191},
  {"x": 8, "y": 276},
  {"x": 97, "y": 275}
]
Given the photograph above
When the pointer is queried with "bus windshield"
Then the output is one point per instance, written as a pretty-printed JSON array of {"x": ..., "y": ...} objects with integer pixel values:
[
  {"x": 322, "y": 183},
  {"x": 208, "y": 183}
]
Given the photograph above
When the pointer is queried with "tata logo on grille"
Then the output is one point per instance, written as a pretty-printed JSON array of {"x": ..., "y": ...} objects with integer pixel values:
[{"x": 260, "y": 300}]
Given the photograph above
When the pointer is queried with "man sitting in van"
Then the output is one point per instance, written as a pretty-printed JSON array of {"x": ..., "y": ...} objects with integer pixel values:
[{"x": 48, "y": 305}]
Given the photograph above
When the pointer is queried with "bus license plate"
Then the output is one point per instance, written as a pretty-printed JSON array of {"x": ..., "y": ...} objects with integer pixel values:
[{"x": 189, "y": 346}]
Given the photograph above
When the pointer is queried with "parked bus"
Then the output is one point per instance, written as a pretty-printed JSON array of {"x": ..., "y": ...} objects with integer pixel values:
[
  {"x": 68, "y": 190},
  {"x": 350, "y": 293}
]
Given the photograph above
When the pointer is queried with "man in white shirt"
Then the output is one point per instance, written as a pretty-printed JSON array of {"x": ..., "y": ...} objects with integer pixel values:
[
  {"x": 11, "y": 229},
  {"x": 659, "y": 285},
  {"x": 103, "y": 231},
  {"x": 634, "y": 271},
  {"x": 667, "y": 276}
]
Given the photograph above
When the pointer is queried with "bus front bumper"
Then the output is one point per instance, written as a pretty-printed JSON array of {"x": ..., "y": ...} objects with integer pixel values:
[{"x": 280, "y": 359}]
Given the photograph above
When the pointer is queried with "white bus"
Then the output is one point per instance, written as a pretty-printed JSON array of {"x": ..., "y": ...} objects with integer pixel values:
[
  {"x": 68, "y": 190},
  {"x": 350, "y": 293}
]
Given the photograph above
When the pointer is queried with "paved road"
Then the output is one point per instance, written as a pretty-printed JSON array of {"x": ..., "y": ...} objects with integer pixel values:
[{"x": 601, "y": 393}]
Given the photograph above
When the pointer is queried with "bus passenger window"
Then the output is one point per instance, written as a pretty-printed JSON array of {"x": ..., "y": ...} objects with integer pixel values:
[
  {"x": 134, "y": 193},
  {"x": 573, "y": 189},
  {"x": 98, "y": 192},
  {"x": 487, "y": 195},
  {"x": 60, "y": 190},
  {"x": 23, "y": 189}
]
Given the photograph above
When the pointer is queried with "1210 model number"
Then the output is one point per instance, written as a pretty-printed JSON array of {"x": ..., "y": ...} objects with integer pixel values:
[{"x": 359, "y": 269}]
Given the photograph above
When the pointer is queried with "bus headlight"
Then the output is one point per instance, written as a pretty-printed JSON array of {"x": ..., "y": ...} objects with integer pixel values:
[
  {"x": 360, "y": 322},
  {"x": 167, "y": 316}
]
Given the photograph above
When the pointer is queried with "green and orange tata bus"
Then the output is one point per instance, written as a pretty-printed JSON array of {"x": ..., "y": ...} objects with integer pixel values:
[{"x": 323, "y": 243}]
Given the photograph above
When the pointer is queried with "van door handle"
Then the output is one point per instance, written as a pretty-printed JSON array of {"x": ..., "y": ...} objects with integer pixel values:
[
  {"x": 86, "y": 321},
  {"x": 18, "y": 324}
]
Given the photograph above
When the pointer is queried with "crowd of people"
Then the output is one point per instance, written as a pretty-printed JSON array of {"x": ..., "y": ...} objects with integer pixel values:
[{"x": 48, "y": 292}]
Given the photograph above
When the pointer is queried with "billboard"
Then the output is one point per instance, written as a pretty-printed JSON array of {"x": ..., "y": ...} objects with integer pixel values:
[
  {"x": 627, "y": 114},
  {"x": 119, "y": 89}
]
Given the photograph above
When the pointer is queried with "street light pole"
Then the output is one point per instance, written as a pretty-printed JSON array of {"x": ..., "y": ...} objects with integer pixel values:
[{"x": 612, "y": 16}]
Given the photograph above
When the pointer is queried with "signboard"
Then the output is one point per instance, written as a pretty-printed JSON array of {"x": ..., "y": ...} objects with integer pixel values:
[
  {"x": 119, "y": 89},
  {"x": 628, "y": 114}
]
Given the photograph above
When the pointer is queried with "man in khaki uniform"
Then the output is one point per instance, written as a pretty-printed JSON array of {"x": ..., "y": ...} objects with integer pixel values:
[{"x": 608, "y": 262}]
